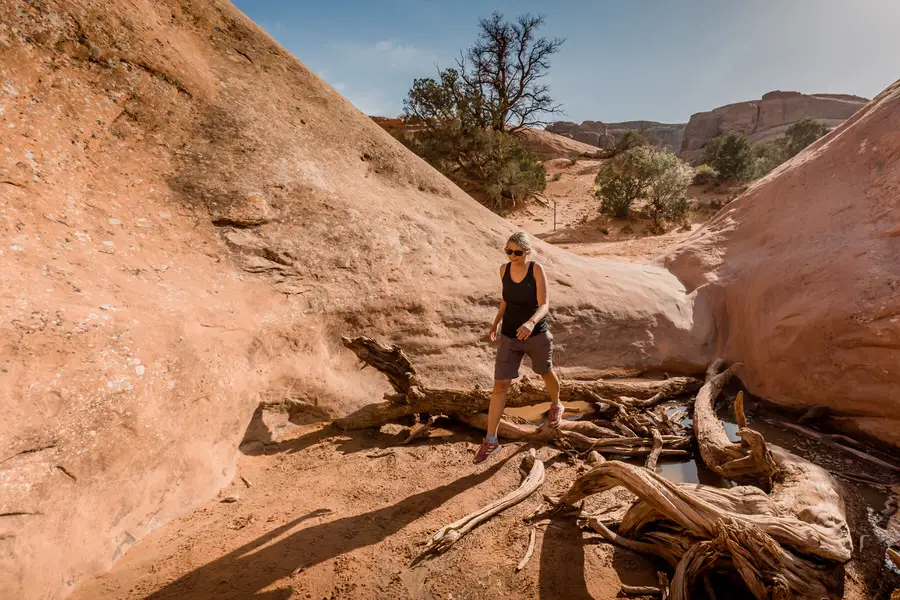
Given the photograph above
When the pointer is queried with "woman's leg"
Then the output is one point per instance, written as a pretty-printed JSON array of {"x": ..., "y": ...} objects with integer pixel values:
[
  {"x": 552, "y": 383},
  {"x": 498, "y": 403}
]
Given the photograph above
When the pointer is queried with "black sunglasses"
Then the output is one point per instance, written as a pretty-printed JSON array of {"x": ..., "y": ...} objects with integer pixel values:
[{"x": 510, "y": 252}]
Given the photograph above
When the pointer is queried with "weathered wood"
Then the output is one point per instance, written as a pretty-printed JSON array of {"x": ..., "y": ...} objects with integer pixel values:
[
  {"x": 390, "y": 360},
  {"x": 749, "y": 461},
  {"x": 765, "y": 544},
  {"x": 528, "y": 552},
  {"x": 789, "y": 543},
  {"x": 420, "y": 430},
  {"x": 569, "y": 433},
  {"x": 448, "y": 535},
  {"x": 641, "y": 590},
  {"x": 656, "y": 451}
]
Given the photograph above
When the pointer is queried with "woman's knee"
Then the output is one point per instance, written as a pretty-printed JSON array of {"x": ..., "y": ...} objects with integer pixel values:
[{"x": 502, "y": 385}]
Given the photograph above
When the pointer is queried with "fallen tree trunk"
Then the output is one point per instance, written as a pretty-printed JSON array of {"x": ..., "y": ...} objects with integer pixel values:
[{"x": 413, "y": 397}]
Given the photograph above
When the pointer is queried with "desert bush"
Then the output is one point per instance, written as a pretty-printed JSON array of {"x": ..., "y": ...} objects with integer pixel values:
[
  {"x": 619, "y": 183},
  {"x": 645, "y": 172},
  {"x": 801, "y": 134},
  {"x": 631, "y": 139},
  {"x": 732, "y": 156},
  {"x": 667, "y": 182},
  {"x": 556, "y": 177},
  {"x": 768, "y": 156},
  {"x": 705, "y": 175}
]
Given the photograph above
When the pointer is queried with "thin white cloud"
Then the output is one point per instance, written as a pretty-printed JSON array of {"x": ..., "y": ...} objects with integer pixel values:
[
  {"x": 402, "y": 56},
  {"x": 389, "y": 54},
  {"x": 373, "y": 102}
]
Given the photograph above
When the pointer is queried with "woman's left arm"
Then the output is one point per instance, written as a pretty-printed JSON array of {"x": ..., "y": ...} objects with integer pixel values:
[{"x": 543, "y": 298}]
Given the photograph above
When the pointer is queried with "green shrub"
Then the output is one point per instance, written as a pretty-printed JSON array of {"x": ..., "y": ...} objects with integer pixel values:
[
  {"x": 619, "y": 183},
  {"x": 768, "y": 156},
  {"x": 705, "y": 175},
  {"x": 511, "y": 173},
  {"x": 732, "y": 156},
  {"x": 631, "y": 139},
  {"x": 645, "y": 172},
  {"x": 801, "y": 134},
  {"x": 668, "y": 180}
]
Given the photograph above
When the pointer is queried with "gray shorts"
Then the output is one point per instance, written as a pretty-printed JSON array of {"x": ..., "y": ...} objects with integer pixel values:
[{"x": 538, "y": 347}]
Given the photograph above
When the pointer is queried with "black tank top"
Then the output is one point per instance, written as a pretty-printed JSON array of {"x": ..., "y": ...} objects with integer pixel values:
[{"x": 521, "y": 303}]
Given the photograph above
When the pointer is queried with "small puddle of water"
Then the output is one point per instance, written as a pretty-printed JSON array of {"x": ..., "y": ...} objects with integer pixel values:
[{"x": 538, "y": 412}]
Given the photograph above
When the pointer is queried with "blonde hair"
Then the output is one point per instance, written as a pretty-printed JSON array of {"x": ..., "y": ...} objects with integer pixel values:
[{"x": 521, "y": 239}]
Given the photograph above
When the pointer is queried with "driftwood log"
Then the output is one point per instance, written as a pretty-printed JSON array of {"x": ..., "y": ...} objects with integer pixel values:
[
  {"x": 448, "y": 535},
  {"x": 789, "y": 543},
  {"x": 411, "y": 396},
  {"x": 747, "y": 462}
]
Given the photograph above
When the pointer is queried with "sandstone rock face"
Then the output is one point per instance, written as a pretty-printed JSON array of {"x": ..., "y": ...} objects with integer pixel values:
[
  {"x": 667, "y": 135},
  {"x": 548, "y": 145},
  {"x": 803, "y": 274},
  {"x": 592, "y": 138},
  {"x": 191, "y": 220},
  {"x": 766, "y": 118}
]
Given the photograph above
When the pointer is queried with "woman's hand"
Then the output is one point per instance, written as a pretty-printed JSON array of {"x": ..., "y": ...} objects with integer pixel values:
[
  {"x": 525, "y": 330},
  {"x": 493, "y": 333}
]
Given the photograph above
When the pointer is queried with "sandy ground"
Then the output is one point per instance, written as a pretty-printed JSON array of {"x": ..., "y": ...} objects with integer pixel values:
[
  {"x": 332, "y": 515},
  {"x": 329, "y": 515}
]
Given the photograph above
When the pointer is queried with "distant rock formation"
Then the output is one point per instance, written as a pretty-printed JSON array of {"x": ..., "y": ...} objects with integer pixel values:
[
  {"x": 766, "y": 119},
  {"x": 605, "y": 135}
]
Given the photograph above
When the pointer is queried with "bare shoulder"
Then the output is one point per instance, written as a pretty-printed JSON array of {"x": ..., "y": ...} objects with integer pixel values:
[
  {"x": 503, "y": 269},
  {"x": 539, "y": 269}
]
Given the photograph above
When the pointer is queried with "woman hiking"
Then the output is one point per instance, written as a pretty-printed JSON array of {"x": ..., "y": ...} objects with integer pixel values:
[{"x": 524, "y": 330}]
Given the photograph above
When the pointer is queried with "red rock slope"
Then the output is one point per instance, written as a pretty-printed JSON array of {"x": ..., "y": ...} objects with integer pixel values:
[{"x": 803, "y": 271}]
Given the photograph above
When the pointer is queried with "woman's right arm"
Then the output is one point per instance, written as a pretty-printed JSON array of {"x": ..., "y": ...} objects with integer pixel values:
[{"x": 500, "y": 312}]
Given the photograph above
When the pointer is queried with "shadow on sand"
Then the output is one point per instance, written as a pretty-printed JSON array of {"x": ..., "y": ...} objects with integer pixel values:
[{"x": 255, "y": 566}]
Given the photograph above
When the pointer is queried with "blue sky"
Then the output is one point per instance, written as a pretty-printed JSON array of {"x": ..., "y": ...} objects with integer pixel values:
[{"x": 623, "y": 60}]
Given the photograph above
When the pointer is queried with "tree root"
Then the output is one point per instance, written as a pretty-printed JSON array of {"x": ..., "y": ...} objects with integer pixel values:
[
  {"x": 569, "y": 434},
  {"x": 791, "y": 542},
  {"x": 529, "y": 552},
  {"x": 448, "y": 535},
  {"x": 748, "y": 462}
]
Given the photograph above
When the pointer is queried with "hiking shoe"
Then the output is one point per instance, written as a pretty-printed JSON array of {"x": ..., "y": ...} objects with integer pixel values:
[
  {"x": 486, "y": 451},
  {"x": 556, "y": 414}
]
